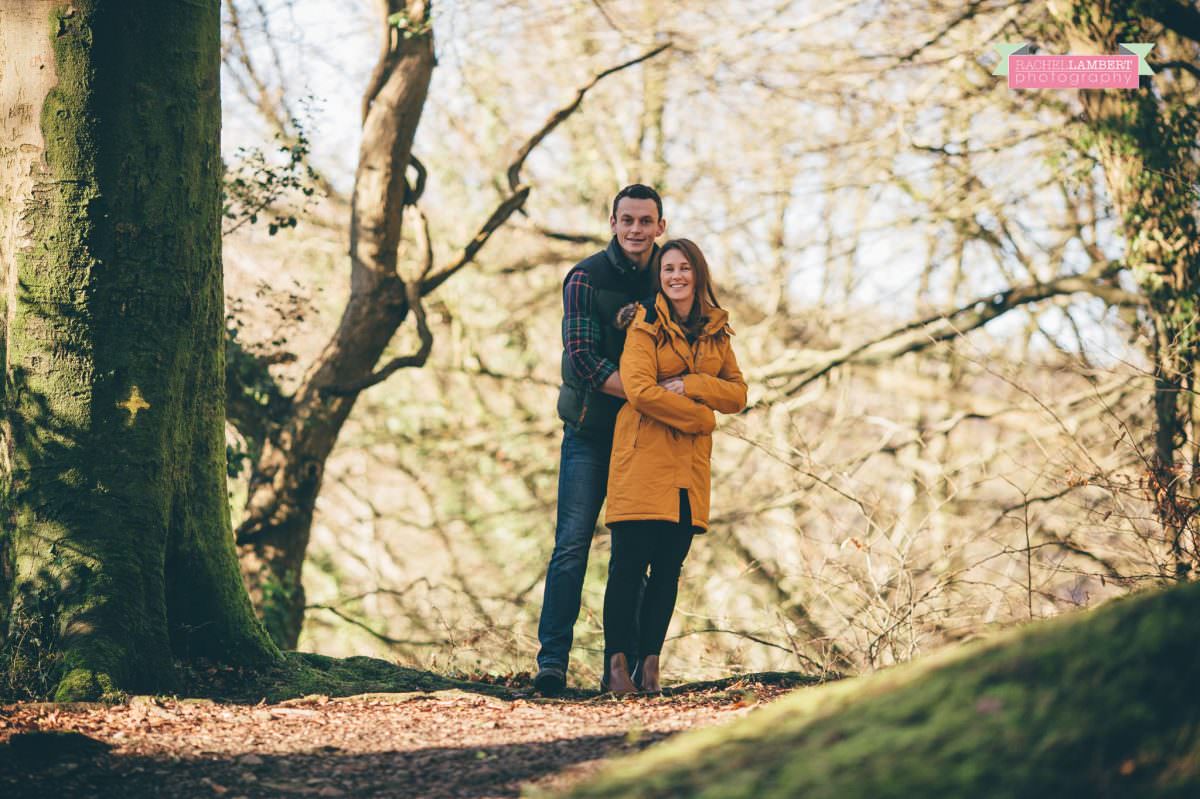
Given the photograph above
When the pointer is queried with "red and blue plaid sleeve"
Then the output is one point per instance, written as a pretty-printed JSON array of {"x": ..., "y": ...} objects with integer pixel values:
[{"x": 581, "y": 333}]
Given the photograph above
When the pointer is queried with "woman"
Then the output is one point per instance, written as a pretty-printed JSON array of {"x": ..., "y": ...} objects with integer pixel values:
[{"x": 677, "y": 368}]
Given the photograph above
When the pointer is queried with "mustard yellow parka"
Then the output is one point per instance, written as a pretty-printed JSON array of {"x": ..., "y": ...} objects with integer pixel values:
[{"x": 663, "y": 441}]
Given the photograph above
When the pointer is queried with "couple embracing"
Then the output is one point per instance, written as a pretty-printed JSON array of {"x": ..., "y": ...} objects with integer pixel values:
[{"x": 647, "y": 359}]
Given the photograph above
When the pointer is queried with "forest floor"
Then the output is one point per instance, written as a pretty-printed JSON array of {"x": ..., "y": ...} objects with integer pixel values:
[{"x": 497, "y": 741}]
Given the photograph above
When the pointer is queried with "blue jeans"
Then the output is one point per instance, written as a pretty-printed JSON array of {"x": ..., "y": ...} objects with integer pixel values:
[{"x": 582, "y": 484}]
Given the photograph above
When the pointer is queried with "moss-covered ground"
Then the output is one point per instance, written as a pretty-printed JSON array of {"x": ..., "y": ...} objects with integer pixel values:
[
  {"x": 1097, "y": 704},
  {"x": 302, "y": 674}
]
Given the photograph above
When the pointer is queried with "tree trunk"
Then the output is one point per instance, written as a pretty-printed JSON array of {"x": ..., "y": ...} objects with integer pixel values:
[
  {"x": 1145, "y": 139},
  {"x": 116, "y": 553},
  {"x": 286, "y": 477}
]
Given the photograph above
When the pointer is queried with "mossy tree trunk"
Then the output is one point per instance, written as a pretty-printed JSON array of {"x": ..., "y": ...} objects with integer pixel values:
[
  {"x": 116, "y": 553},
  {"x": 287, "y": 473},
  {"x": 1146, "y": 142}
]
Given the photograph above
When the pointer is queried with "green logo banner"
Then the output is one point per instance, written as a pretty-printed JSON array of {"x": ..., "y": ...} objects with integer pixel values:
[{"x": 1005, "y": 51}]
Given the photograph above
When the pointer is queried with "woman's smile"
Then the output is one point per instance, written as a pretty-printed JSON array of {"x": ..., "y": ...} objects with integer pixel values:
[{"x": 678, "y": 280}]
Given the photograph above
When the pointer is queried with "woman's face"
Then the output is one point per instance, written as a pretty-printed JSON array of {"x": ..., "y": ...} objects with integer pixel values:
[{"x": 678, "y": 279}]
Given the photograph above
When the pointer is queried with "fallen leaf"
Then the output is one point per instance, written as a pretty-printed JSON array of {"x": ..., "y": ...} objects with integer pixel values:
[{"x": 294, "y": 712}]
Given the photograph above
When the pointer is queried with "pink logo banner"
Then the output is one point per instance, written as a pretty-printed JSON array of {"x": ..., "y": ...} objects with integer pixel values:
[{"x": 1073, "y": 72}]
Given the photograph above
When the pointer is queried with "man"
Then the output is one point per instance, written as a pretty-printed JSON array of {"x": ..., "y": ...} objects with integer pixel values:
[{"x": 588, "y": 401}]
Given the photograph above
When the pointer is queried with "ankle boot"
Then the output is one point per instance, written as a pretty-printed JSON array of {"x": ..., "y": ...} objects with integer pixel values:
[
  {"x": 649, "y": 674},
  {"x": 619, "y": 681}
]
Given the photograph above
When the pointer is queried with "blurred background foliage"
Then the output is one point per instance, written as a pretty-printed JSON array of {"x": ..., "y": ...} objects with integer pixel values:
[{"x": 949, "y": 428}]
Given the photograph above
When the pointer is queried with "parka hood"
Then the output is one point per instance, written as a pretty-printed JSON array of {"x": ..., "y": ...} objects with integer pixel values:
[{"x": 718, "y": 318}]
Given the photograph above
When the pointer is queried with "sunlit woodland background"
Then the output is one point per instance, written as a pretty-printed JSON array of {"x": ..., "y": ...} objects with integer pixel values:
[{"x": 949, "y": 429}]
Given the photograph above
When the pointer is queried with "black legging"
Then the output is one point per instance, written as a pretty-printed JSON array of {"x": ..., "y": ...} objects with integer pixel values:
[{"x": 637, "y": 546}]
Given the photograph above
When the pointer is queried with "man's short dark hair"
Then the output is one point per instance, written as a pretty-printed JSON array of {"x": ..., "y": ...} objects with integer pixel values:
[{"x": 638, "y": 191}]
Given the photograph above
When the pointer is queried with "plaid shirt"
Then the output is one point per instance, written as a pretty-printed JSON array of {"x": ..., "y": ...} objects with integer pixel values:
[
  {"x": 582, "y": 335},
  {"x": 581, "y": 331}
]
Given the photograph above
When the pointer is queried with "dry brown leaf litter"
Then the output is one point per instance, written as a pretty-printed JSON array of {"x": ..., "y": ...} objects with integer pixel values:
[{"x": 441, "y": 744}]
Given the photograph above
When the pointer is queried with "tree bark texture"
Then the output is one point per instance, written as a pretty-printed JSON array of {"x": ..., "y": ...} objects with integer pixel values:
[
  {"x": 1146, "y": 142},
  {"x": 115, "y": 538},
  {"x": 286, "y": 476}
]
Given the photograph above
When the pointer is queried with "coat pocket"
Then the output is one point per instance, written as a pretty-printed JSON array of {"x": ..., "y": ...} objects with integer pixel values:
[{"x": 639, "y": 424}]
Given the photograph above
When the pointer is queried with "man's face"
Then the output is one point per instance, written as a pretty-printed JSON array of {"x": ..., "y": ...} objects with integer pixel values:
[{"x": 636, "y": 225}]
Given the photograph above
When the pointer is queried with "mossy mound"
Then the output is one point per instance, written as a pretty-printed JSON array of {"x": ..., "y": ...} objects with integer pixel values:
[
  {"x": 1097, "y": 704},
  {"x": 301, "y": 674},
  {"x": 304, "y": 673},
  {"x": 743, "y": 682}
]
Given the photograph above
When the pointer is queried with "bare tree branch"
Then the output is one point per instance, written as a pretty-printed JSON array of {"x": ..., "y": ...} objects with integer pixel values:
[
  {"x": 493, "y": 223},
  {"x": 412, "y": 291},
  {"x": 1184, "y": 65},
  {"x": 514, "y": 170},
  {"x": 612, "y": 23},
  {"x": 571, "y": 237},
  {"x": 413, "y": 196},
  {"x": 388, "y": 57},
  {"x": 387, "y": 639},
  {"x": 923, "y": 333},
  {"x": 519, "y": 191},
  {"x": 967, "y": 13},
  {"x": 428, "y": 282},
  {"x": 271, "y": 105},
  {"x": 1182, "y": 18},
  {"x": 253, "y": 398},
  {"x": 819, "y": 641}
]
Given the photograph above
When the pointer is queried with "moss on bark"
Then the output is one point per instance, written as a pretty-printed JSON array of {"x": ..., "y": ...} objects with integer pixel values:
[
  {"x": 121, "y": 544},
  {"x": 1095, "y": 704},
  {"x": 304, "y": 674}
]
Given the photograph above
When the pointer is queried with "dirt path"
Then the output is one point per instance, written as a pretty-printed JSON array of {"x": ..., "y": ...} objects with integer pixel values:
[{"x": 440, "y": 744}]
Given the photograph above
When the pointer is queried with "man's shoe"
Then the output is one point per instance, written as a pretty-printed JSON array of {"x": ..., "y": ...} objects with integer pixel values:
[{"x": 550, "y": 680}]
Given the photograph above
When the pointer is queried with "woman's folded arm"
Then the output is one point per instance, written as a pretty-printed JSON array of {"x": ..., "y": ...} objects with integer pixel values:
[
  {"x": 725, "y": 392},
  {"x": 639, "y": 374}
]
